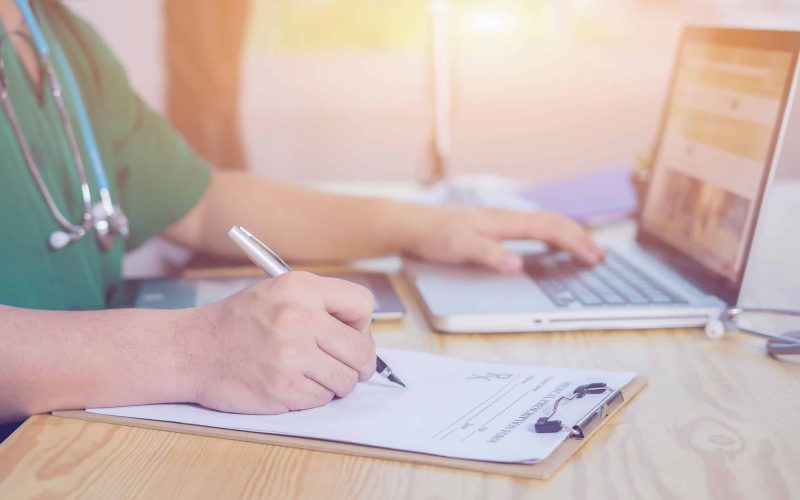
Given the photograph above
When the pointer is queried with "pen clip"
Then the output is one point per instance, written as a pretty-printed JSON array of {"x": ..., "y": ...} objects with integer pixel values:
[{"x": 247, "y": 234}]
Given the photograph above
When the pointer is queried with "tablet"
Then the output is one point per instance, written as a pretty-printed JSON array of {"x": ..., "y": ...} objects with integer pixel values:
[{"x": 177, "y": 293}]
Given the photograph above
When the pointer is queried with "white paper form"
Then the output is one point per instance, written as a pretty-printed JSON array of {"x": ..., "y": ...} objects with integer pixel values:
[{"x": 453, "y": 408}]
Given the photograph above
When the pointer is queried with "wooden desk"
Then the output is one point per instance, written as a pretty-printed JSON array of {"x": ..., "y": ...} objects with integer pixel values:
[{"x": 717, "y": 420}]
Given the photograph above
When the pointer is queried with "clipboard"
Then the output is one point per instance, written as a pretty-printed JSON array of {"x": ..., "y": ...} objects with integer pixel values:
[{"x": 600, "y": 414}]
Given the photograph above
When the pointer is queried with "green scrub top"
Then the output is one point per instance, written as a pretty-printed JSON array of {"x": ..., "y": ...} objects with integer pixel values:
[{"x": 153, "y": 174}]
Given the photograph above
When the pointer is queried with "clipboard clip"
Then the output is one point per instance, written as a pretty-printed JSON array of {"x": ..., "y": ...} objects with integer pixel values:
[{"x": 612, "y": 399}]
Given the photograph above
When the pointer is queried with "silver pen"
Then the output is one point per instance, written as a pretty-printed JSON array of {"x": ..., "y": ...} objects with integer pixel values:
[{"x": 274, "y": 266}]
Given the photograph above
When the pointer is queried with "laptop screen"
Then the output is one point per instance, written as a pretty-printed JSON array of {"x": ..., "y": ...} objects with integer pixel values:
[{"x": 715, "y": 147}]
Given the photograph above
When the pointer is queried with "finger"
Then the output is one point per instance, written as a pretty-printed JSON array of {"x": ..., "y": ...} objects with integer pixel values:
[
  {"x": 491, "y": 253},
  {"x": 306, "y": 393},
  {"x": 553, "y": 229},
  {"x": 348, "y": 302},
  {"x": 572, "y": 237},
  {"x": 354, "y": 348},
  {"x": 332, "y": 374}
]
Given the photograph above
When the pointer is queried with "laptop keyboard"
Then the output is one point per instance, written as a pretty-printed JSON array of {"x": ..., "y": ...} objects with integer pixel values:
[{"x": 614, "y": 282}]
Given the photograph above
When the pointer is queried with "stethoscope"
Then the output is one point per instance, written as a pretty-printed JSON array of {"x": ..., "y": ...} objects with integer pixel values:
[
  {"x": 777, "y": 344},
  {"x": 106, "y": 218}
]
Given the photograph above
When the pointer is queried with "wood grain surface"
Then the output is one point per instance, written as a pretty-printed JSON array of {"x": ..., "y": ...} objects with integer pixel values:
[{"x": 718, "y": 420}]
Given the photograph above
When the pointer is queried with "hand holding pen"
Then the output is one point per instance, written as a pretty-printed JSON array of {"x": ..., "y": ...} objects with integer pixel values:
[{"x": 274, "y": 266}]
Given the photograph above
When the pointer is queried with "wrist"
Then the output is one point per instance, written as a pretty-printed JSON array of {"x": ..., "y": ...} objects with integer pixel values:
[
  {"x": 409, "y": 224},
  {"x": 190, "y": 340}
]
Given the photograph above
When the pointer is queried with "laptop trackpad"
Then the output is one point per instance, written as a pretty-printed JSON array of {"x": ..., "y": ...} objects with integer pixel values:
[{"x": 457, "y": 290}]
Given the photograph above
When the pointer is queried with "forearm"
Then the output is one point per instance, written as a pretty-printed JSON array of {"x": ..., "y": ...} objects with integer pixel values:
[
  {"x": 306, "y": 225},
  {"x": 64, "y": 360},
  {"x": 300, "y": 224}
]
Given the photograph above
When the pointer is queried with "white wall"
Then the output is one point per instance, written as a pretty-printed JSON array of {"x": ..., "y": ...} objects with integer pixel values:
[
  {"x": 133, "y": 30},
  {"x": 531, "y": 114}
]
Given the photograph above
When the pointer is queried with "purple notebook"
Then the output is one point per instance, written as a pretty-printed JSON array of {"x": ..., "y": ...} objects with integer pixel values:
[{"x": 594, "y": 198}]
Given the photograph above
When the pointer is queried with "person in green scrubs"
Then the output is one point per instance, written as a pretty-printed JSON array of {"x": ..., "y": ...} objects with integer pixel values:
[{"x": 288, "y": 343}]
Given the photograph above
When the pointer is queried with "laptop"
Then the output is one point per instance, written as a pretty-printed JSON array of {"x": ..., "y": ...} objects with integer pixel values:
[{"x": 730, "y": 104}]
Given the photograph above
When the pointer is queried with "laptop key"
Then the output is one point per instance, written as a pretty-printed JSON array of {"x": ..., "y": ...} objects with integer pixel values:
[
  {"x": 630, "y": 293},
  {"x": 613, "y": 299},
  {"x": 582, "y": 293},
  {"x": 638, "y": 300},
  {"x": 606, "y": 294},
  {"x": 554, "y": 289},
  {"x": 614, "y": 282},
  {"x": 661, "y": 299},
  {"x": 566, "y": 297}
]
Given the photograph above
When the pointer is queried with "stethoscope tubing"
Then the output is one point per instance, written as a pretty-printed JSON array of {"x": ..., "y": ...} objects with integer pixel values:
[
  {"x": 8, "y": 109},
  {"x": 44, "y": 49},
  {"x": 83, "y": 121},
  {"x": 106, "y": 218},
  {"x": 728, "y": 319}
]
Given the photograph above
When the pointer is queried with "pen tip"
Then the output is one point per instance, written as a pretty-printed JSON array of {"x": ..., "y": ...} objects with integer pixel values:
[{"x": 396, "y": 380}]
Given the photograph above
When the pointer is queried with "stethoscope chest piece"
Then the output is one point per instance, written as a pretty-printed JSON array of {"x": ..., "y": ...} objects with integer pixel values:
[
  {"x": 777, "y": 347},
  {"x": 107, "y": 223}
]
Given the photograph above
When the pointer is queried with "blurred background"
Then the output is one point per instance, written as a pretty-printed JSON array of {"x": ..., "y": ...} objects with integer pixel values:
[{"x": 341, "y": 90}]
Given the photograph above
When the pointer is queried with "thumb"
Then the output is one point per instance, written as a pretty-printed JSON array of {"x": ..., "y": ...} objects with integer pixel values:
[{"x": 492, "y": 254}]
